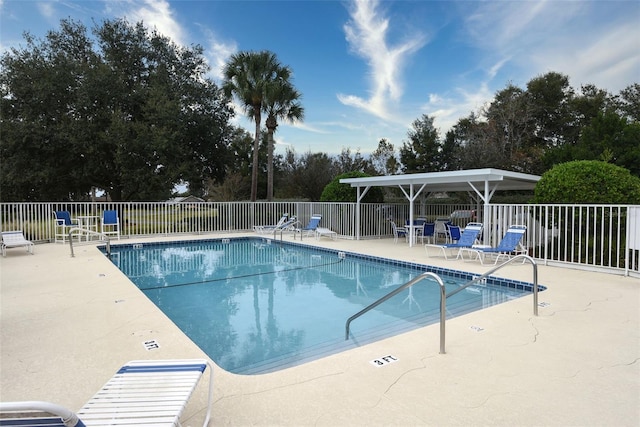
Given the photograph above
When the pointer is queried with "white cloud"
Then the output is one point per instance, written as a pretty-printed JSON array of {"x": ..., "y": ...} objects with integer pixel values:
[
  {"x": 217, "y": 53},
  {"x": 155, "y": 14},
  {"x": 366, "y": 34}
]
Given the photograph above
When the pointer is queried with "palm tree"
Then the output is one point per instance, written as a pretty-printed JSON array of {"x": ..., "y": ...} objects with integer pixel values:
[
  {"x": 247, "y": 75},
  {"x": 282, "y": 102}
]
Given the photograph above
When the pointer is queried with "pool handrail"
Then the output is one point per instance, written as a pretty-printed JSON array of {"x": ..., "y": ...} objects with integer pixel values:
[
  {"x": 397, "y": 291},
  {"x": 84, "y": 230},
  {"x": 444, "y": 296},
  {"x": 493, "y": 270}
]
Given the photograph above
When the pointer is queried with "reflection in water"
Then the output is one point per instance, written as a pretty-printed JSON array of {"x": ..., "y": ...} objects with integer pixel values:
[{"x": 255, "y": 307}]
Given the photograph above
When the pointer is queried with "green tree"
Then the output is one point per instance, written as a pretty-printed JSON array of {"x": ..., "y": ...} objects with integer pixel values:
[
  {"x": 282, "y": 102},
  {"x": 248, "y": 76},
  {"x": 133, "y": 114},
  {"x": 587, "y": 181},
  {"x": 421, "y": 152},
  {"x": 338, "y": 192}
]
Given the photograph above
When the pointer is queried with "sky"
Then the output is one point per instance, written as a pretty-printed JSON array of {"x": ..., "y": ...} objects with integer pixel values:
[{"x": 368, "y": 69}]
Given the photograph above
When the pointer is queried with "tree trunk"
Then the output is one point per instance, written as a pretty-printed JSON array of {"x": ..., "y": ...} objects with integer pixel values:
[
  {"x": 254, "y": 168},
  {"x": 271, "y": 128}
]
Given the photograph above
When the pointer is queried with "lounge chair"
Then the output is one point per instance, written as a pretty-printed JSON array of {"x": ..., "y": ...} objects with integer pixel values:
[
  {"x": 322, "y": 231},
  {"x": 263, "y": 229},
  {"x": 62, "y": 225},
  {"x": 288, "y": 225},
  {"x": 466, "y": 240},
  {"x": 37, "y": 413},
  {"x": 110, "y": 224},
  {"x": 141, "y": 393},
  {"x": 398, "y": 232},
  {"x": 15, "y": 239},
  {"x": 310, "y": 228},
  {"x": 510, "y": 244}
]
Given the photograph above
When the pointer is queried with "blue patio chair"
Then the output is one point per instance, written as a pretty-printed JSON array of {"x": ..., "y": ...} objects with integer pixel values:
[
  {"x": 110, "y": 224},
  {"x": 398, "y": 232},
  {"x": 62, "y": 225},
  {"x": 466, "y": 239},
  {"x": 310, "y": 228},
  {"x": 429, "y": 231},
  {"x": 509, "y": 245}
]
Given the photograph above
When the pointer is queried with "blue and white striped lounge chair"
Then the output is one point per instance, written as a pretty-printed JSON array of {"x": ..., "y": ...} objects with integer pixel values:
[
  {"x": 141, "y": 393},
  {"x": 467, "y": 239},
  {"x": 15, "y": 239},
  {"x": 310, "y": 228},
  {"x": 510, "y": 244},
  {"x": 147, "y": 393},
  {"x": 262, "y": 229}
]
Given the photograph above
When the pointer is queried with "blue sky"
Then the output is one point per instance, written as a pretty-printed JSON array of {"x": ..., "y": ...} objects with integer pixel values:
[{"x": 368, "y": 69}]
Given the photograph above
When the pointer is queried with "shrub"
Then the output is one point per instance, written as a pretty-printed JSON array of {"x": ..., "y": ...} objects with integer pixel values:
[
  {"x": 337, "y": 192},
  {"x": 587, "y": 181}
]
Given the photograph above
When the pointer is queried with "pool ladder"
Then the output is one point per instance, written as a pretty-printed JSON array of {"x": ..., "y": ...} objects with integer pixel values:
[
  {"x": 95, "y": 233},
  {"x": 444, "y": 296}
]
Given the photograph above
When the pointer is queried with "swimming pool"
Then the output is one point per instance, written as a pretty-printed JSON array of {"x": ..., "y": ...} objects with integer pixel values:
[{"x": 257, "y": 306}]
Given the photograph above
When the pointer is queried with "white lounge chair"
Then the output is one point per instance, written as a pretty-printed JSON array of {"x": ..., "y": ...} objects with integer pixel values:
[
  {"x": 15, "y": 239},
  {"x": 147, "y": 393},
  {"x": 263, "y": 229},
  {"x": 322, "y": 231}
]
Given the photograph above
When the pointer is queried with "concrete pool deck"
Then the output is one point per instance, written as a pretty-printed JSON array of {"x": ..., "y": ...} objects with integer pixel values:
[{"x": 67, "y": 324}]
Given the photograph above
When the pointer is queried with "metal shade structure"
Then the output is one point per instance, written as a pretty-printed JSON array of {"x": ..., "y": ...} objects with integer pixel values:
[{"x": 484, "y": 182}]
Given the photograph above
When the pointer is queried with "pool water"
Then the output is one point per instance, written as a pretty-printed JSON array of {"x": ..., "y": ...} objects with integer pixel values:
[{"x": 255, "y": 306}]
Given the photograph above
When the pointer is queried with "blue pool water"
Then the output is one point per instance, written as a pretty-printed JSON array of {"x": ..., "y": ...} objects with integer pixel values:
[{"x": 255, "y": 306}]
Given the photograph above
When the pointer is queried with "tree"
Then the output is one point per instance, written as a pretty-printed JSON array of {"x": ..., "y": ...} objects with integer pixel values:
[
  {"x": 282, "y": 102},
  {"x": 133, "y": 115},
  {"x": 335, "y": 191},
  {"x": 421, "y": 152},
  {"x": 384, "y": 160},
  {"x": 587, "y": 181},
  {"x": 248, "y": 76},
  {"x": 629, "y": 102}
]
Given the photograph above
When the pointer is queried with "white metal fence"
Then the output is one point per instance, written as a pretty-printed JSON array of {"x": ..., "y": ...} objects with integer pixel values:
[{"x": 599, "y": 237}]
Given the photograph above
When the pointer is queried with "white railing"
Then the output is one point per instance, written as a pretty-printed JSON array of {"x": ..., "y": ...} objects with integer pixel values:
[{"x": 599, "y": 237}]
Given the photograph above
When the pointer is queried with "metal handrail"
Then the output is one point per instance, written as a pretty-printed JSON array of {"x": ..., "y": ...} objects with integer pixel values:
[
  {"x": 400, "y": 289},
  {"x": 103, "y": 235},
  {"x": 493, "y": 270},
  {"x": 443, "y": 296}
]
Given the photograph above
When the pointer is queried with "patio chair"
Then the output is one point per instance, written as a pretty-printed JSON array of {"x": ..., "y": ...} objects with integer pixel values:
[
  {"x": 509, "y": 245},
  {"x": 428, "y": 232},
  {"x": 110, "y": 224},
  {"x": 141, "y": 393},
  {"x": 310, "y": 228},
  {"x": 62, "y": 225},
  {"x": 263, "y": 229},
  {"x": 15, "y": 239},
  {"x": 442, "y": 229},
  {"x": 466, "y": 239},
  {"x": 398, "y": 232}
]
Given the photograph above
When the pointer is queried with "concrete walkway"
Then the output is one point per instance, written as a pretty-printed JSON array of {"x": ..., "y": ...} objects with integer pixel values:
[{"x": 67, "y": 324}]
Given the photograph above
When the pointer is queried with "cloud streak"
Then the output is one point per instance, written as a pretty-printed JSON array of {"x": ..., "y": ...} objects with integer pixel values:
[{"x": 366, "y": 34}]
